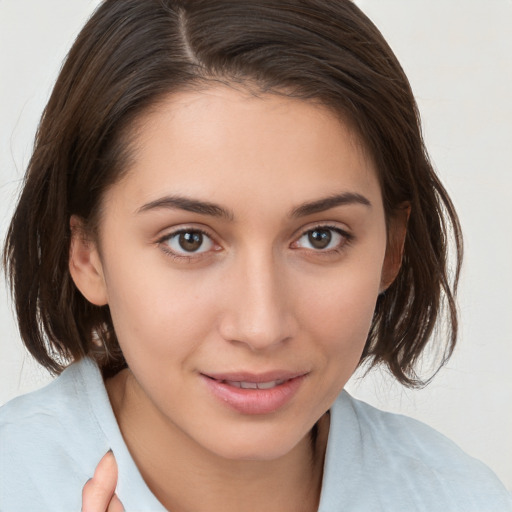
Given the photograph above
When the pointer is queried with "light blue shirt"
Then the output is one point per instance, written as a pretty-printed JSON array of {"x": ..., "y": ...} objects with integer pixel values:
[{"x": 51, "y": 441}]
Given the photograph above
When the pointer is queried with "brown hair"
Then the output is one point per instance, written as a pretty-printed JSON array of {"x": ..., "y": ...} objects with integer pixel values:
[{"x": 130, "y": 54}]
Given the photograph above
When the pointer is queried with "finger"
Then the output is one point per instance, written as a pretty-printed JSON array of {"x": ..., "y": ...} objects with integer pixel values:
[
  {"x": 99, "y": 490},
  {"x": 115, "y": 505}
]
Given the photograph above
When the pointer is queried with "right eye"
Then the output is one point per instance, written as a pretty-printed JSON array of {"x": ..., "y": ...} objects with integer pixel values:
[{"x": 187, "y": 242}]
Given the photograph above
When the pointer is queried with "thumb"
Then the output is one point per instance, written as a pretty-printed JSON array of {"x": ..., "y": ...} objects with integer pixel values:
[{"x": 98, "y": 492}]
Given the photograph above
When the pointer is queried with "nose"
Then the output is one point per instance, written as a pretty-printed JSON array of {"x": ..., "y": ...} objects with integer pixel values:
[{"x": 257, "y": 312}]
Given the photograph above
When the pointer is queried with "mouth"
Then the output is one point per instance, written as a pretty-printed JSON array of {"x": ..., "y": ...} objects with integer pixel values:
[
  {"x": 252, "y": 393},
  {"x": 253, "y": 385}
]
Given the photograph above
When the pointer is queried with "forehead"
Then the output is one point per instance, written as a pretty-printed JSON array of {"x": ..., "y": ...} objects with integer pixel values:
[{"x": 244, "y": 149}]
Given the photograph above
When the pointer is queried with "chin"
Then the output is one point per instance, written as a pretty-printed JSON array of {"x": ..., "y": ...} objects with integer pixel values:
[
  {"x": 256, "y": 444},
  {"x": 253, "y": 453}
]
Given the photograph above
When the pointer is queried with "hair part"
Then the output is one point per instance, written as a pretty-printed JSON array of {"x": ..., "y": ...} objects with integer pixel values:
[{"x": 133, "y": 53}]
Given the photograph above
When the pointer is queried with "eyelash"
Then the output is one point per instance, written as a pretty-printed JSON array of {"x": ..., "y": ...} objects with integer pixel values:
[
  {"x": 347, "y": 239},
  {"x": 163, "y": 242},
  {"x": 181, "y": 257}
]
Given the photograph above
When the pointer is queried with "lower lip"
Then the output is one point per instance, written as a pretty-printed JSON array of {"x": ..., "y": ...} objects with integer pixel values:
[{"x": 254, "y": 401}]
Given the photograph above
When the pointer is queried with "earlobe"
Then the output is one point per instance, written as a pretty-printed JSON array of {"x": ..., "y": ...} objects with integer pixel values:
[
  {"x": 397, "y": 232},
  {"x": 85, "y": 264}
]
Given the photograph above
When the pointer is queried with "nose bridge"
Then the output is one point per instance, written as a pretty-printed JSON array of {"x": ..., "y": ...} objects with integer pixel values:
[{"x": 258, "y": 312}]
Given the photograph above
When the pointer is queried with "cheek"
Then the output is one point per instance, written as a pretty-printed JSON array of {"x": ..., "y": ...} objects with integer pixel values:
[
  {"x": 338, "y": 311},
  {"x": 155, "y": 314}
]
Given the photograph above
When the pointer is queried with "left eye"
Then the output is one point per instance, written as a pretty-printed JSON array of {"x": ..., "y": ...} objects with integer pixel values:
[
  {"x": 321, "y": 238},
  {"x": 189, "y": 241}
]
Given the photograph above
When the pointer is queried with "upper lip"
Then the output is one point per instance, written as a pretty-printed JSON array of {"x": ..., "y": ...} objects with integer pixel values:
[{"x": 243, "y": 376}]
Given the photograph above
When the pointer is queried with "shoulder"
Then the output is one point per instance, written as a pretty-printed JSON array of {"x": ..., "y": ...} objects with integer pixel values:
[
  {"x": 410, "y": 466},
  {"x": 400, "y": 437},
  {"x": 52, "y": 413},
  {"x": 50, "y": 442}
]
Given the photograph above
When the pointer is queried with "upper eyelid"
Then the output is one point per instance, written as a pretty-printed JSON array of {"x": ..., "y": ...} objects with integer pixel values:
[
  {"x": 169, "y": 233},
  {"x": 296, "y": 235},
  {"x": 164, "y": 238},
  {"x": 185, "y": 256},
  {"x": 345, "y": 231}
]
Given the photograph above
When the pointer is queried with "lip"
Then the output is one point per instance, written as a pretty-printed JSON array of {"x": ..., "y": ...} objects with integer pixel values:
[
  {"x": 254, "y": 401},
  {"x": 255, "y": 377}
]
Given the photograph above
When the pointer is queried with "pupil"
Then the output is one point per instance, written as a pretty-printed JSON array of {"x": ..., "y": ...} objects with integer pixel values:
[
  {"x": 191, "y": 240},
  {"x": 320, "y": 238}
]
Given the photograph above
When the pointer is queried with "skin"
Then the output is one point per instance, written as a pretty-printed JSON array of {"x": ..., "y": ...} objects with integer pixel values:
[
  {"x": 98, "y": 492},
  {"x": 258, "y": 295}
]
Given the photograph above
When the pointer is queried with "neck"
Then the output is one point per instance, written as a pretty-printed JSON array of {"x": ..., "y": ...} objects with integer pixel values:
[{"x": 163, "y": 454}]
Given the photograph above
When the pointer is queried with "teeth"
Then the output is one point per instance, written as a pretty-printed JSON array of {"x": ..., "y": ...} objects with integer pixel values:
[
  {"x": 248, "y": 385},
  {"x": 233, "y": 383},
  {"x": 254, "y": 385},
  {"x": 269, "y": 385}
]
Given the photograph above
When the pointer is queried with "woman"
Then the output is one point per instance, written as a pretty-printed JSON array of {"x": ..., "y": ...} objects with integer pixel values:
[{"x": 229, "y": 208}]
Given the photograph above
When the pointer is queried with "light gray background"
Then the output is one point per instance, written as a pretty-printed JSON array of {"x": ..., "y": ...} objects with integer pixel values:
[{"x": 457, "y": 54}]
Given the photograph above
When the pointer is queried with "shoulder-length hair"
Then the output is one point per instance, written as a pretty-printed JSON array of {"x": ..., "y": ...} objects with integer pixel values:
[{"x": 132, "y": 53}]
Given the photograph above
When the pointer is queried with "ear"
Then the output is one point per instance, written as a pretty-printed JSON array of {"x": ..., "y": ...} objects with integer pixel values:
[
  {"x": 85, "y": 264},
  {"x": 397, "y": 229}
]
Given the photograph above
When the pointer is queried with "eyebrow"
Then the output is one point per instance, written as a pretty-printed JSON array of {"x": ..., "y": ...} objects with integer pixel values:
[
  {"x": 329, "y": 202},
  {"x": 214, "y": 210},
  {"x": 189, "y": 205}
]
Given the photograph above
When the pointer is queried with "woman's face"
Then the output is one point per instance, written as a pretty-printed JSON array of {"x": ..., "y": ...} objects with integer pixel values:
[{"x": 241, "y": 257}]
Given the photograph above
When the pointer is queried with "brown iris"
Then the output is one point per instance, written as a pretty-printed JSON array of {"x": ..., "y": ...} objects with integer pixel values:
[
  {"x": 190, "y": 241},
  {"x": 320, "y": 238}
]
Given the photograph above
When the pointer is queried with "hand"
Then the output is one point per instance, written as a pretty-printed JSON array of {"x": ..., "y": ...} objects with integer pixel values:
[{"x": 98, "y": 494}]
